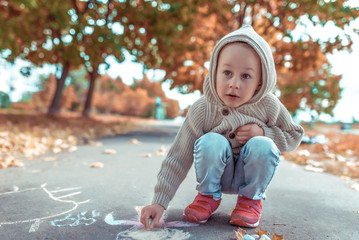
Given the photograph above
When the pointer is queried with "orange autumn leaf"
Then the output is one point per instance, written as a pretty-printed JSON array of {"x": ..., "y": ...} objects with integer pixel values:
[
  {"x": 260, "y": 232},
  {"x": 240, "y": 233},
  {"x": 277, "y": 237},
  {"x": 97, "y": 165}
]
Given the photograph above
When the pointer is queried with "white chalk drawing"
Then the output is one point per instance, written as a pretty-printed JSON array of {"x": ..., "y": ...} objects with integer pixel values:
[
  {"x": 165, "y": 231},
  {"x": 67, "y": 217},
  {"x": 57, "y": 195},
  {"x": 84, "y": 218}
]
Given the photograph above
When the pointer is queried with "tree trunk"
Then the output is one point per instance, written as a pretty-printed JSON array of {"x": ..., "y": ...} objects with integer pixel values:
[
  {"x": 87, "y": 108},
  {"x": 54, "y": 108}
]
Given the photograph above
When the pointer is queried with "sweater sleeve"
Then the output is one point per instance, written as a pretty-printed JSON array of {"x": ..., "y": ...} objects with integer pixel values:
[
  {"x": 280, "y": 127},
  {"x": 179, "y": 159}
]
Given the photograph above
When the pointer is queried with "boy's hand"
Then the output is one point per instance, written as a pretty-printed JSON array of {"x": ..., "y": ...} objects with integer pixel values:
[
  {"x": 151, "y": 215},
  {"x": 246, "y": 132}
]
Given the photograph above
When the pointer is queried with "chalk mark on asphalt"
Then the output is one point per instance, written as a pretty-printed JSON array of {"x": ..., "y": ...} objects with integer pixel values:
[
  {"x": 37, "y": 221},
  {"x": 137, "y": 231}
]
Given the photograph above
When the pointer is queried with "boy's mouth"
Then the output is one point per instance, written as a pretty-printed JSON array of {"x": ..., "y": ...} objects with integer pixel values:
[{"x": 232, "y": 95}]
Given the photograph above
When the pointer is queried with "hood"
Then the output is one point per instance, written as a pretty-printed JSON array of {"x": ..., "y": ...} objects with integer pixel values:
[{"x": 248, "y": 35}]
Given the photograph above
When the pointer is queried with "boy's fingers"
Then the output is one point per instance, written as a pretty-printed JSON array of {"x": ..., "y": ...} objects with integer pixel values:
[
  {"x": 152, "y": 223},
  {"x": 245, "y": 128},
  {"x": 144, "y": 219},
  {"x": 242, "y": 131},
  {"x": 155, "y": 221},
  {"x": 149, "y": 223},
  {"x": 144, "y": 222}
]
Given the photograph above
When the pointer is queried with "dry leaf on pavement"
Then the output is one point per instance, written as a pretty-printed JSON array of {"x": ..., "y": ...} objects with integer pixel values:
[
  {"x": 49, "y": 159},
  {"x": 240, "y": 233},
  {"x": 72, "y": 149},
  {"x": 146, "y": 155},
  {"x": 260, "y": 232},
  {"x": 134, "y": 141},
  {"x": 162, "y": 152},
  {"x": 10, "y": 161},
  {"x": 277, "y": 237},
  {"x": 97, "y": 165},
  {"x": 94, "y": 143},
  {"x": 110, "y": 151}
]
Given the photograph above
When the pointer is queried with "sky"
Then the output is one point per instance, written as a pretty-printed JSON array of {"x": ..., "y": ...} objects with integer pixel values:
[{"x": 342, "y": 63}]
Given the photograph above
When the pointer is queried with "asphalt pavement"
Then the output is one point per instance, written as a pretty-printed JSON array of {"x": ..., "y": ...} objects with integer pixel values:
[{"x": 65, "y": 198}]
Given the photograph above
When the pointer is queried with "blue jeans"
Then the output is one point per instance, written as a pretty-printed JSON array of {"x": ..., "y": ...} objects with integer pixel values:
[{"x": 248, "y": 173}]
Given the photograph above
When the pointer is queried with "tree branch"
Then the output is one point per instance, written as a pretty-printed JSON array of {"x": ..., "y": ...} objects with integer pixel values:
[
  {"x": 242, "y": 14},
  {"x": 109, "y": 9}
]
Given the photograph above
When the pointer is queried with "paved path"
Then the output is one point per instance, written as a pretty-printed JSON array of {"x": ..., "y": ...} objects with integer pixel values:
[{"x": 66, "y": 199}]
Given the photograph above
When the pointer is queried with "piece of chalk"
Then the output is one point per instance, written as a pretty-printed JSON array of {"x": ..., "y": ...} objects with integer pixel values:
[
  {"x": 150, "y": 223},
  {"x": 264, "y": 237},
  {"x": 248, "y": 237}
]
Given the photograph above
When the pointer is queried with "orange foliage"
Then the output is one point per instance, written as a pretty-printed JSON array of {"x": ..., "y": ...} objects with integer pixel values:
[
  {"x": 42, "y": 99},
  {"x": 69, "y": 98},
  {"x": 134, "y": 102},
  {"x": 113, "y": 96},
  {"x": 110, "y": 96},
  {"x": 172, "y": 108}
]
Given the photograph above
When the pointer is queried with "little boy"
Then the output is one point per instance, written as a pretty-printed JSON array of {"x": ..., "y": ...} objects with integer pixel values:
[{"x": 233, "y": 135}]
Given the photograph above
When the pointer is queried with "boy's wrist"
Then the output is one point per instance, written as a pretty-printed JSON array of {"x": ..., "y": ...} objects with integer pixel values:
[{"x": 161, "y": 199}]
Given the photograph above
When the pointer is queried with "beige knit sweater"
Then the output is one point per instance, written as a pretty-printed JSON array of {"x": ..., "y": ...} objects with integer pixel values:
[{"x": 209, "y": 114}]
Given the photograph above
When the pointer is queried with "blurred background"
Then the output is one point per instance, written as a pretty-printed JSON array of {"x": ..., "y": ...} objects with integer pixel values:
[
  {"x": 147, "y": 59},
  {"x": 131, "y": 57}
]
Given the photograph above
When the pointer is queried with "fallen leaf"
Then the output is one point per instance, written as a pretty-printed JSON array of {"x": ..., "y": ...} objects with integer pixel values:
[
  {"x": 162, "y": 152},
  {"x": 93, "y": 143},
  {"x": 134, "y": 141},
  {"x": 313, "y": 169},
  {"x": 72, "y": 149},
  {"x": 97, "y": 165},
  {"x": 277, "y": 237},
  {"x": 240, "y": 233},
  {"x": 147, "y": 155},
  {"x": 10, "y": 161},
  {"x": 109, "y": 151},
  {"x": 260, "y": 232},
  {"x": 56, "y": 150},
  {"x": 345, "y": 177},
  {"x": 49, "y": 159},
  {"x": 17, "y": 163}
]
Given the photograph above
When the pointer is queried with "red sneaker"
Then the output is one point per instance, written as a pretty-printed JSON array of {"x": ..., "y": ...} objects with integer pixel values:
[
  {"x": 202, "y": 207},
  {"x": 247, "y": 212}
]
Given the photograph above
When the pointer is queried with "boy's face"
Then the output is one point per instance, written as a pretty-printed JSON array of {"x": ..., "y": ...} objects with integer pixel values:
[{"x": 238, "y": 74}]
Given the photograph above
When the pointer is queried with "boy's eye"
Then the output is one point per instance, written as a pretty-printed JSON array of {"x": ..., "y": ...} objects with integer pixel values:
[
  {"x": 246, "y": 76},
  {"x": 227, "y": 73}
]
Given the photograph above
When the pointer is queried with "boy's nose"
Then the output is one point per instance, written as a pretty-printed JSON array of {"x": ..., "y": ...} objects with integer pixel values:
[{"x": 234, "y": 83}]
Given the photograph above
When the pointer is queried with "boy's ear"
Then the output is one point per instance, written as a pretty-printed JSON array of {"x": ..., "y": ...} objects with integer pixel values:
[{"x": 259, "y": 85}]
